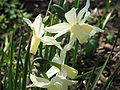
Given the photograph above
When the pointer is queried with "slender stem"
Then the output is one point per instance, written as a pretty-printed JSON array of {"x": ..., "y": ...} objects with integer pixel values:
[
  {"x": 75, "y": 53},
  {"x": 1, "y": 62},
  {"x": 10, "y": 85},
  {"x": 17, "y": 66},
  {"x": 48, "y": 7},
  {"x": 77, "y": 2},
  {"x": 25, "y": 69}
]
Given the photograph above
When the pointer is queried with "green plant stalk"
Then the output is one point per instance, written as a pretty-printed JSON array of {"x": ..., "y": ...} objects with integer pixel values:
[
  {"x": 25, "y": 68},
  {"x": 61, "y": 3},
  {"x": 89, "y": 81},
  {"x": 111, "y": 77},
  {"x": 48, "y": 8},
  {"x": 103, "y": 67},
  {"x": 10, "y": 75},
  {"x": 76, "y": 4},
  {"x": 75, "y": 53},
  {"x": 1, "y": 62},
  {"x": 86, "y": 74},
  {"x": 40, "y": 49},
  {"x": 17, "y": 66}
]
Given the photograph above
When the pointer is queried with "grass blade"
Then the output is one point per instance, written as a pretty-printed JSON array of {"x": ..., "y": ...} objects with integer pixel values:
[
  {"x": 111, "y": 77},
  {"x": 17, "y": 66},
  {"x": 103, "y": 67},
  {"x": 25, "y": 68}
]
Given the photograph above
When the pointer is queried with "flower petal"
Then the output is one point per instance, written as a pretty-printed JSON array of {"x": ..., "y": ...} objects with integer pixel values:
[
  {"x": 82, "y": 12},
  {"x": 71, "y": 16},
  {"x": 38, "y": 26},
  {"x": 61, "y": 33},
  {"x": 57, "y": 28},
  {"x": 87, "y": 14},
  {"x": 50, "y": 41},
  {"x": 39, "y": 82},
  {"x": 52, "y": 71},
  {"x": 56, "y": 59},
  {"x": 34, "y": 44},
  {"x": 95, "y": 30},
  {"x": 81, "y": 32},
  {"x": 27, "y": 21}
]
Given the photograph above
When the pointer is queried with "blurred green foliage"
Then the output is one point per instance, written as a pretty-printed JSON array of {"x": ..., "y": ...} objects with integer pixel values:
[{"x": 11, "y": 13}]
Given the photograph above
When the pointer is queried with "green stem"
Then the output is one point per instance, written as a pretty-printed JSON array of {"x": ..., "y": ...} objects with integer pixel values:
[
  {"x": 48, "y": 7},
  {"x": 76, "y": 4},
  {"x": 25, "y": 69},
  {"x": 75, "y": 53},
  {"x": 10, "y": 81},
  {"x": 17, "y": 66},
  {"x": 1, "y": 62}
]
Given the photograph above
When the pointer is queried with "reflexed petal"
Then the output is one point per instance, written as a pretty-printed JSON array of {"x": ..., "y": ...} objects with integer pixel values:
[
  {"x": 82, "y": 12},
  {"x": 57, "y": 28},
  {"x": 38, "y": 26},
  {"x": 85, "y": 18},
  {"x": 50, "y": 41},
  {"x": 52, "y": 71},
  {"x": 81, "y": 32},
  {"x": 71, "y": 16},
  {"x": 27, "y": 21},
  {"x": 61, "y": 33},
  {"x": 56, "y": 59},
  {"x": 39, "y": 82},
  {"x": 34, "y": 44},
  {"x": 95, "y": 30},
  {"x": 71, "y": 72},
  {"x": 64, "y": 82}
]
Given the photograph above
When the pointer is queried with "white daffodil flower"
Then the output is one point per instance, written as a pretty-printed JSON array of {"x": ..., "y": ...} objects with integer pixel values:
[
  {"x": 56, "y": 83},
  {"x": 71, "y": 72},
  {"x": 76, "y": 25},
  {"x": 38, "y": 30}
]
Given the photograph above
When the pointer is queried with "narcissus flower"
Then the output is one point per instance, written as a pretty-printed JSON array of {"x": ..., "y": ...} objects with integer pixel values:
[
  {"x": 76, "y": 25},
  {"x": 71, "y": 72},
  {"x": 37, "y": 26},
  {"x": 56, "y": 83}
]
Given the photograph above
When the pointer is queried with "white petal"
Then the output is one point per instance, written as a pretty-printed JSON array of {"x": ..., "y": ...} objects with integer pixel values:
[
  {"x": 71, "y": 16},
  {"x": 95, "y": 30},
  {"x": 27, "y": 21},
  {"x": 81, "y": 32},
  {"x": 38, "y": 26},
  {"x": 52, "y": 71},
  {"x": 57, "y": 28},
  {"x": 50, "y": 41},
  {"x": 87, "y": 14},
  {"x": 39, "y": 82},
  {"x": 82, "y": 12},
  {"x": 56, "y": 59},
  {"x": 61, "y": 33}
]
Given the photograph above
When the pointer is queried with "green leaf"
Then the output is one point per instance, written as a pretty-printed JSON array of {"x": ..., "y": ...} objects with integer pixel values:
[
  {"x": 58, "y": 9},
  {"x": 110, "y": 78}
]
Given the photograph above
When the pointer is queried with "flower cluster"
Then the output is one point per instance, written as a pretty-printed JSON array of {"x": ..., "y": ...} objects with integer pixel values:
[{"x": 59, "y": 78}]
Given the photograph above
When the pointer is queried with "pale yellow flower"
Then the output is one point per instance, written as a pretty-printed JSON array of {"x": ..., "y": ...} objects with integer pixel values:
[
  {"x": 76, "y": 25},
  {"x": 37, "y": 26},
  {"x": 56, "y": 83},
  {"x": 71, "y": 72}
]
